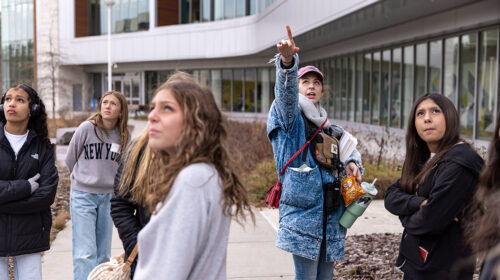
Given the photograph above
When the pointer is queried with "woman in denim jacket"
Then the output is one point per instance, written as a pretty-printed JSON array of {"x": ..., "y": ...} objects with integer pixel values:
[{"x": 302, "y": 218}]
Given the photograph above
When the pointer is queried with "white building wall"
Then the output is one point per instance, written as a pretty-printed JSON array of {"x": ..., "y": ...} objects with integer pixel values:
[{"x": 218, "y": 39}]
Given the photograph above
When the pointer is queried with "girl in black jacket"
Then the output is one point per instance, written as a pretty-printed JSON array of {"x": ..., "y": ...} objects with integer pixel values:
[
  {"x": 28, "y": 182},
  {"x": 439, "y": 176}
]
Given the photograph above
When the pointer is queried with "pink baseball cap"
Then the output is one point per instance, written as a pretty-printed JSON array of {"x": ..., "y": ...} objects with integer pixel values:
[{"x": 308, "y": 69}]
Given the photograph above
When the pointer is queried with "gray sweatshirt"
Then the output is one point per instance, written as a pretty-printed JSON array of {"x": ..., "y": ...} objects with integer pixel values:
[
  {"x": 92, "y": 163},
  {"x": 187, "y": 238}
]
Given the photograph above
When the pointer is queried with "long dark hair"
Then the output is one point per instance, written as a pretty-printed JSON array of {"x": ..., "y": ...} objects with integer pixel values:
[
  {"x": 416, "y": 166},
  {"x": 482, "y": 230},
  {"x": 36, "y": 122}
]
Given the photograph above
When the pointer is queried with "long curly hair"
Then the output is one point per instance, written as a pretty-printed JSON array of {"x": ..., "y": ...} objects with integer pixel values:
[
  {"x": 122, "y": 120},
  {"x": 37, "y": 122},
  {"x": 139, "y": 153},
  {"x": 482, "y": 227},
  {"x": 416, "y": 166},
  {"x": 202, "y": 140}
]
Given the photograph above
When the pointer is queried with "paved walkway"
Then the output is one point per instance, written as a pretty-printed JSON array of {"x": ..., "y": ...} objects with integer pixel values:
[{"x": 251, "y": 252}]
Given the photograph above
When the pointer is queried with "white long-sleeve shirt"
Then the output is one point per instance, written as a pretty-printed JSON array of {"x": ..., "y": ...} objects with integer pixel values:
[{"x": 187, "y": 238}]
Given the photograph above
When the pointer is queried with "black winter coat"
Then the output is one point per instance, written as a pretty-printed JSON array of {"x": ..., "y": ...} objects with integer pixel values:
[
  {"x": 128, "y": 217},
  {"x": 25, "y": 217},
  {"x": 448, "y": 189}
]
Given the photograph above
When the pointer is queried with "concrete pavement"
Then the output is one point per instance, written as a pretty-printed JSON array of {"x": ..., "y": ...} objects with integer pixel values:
[{"x": 251, "y": 253}]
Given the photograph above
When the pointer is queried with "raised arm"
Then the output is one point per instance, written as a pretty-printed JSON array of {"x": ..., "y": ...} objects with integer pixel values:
[{"x": 286, "y": 89}]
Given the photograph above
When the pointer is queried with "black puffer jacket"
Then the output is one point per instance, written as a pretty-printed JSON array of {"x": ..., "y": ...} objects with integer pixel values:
[
  {"x": 448, "y": 189},
  {"x": 128, "y": 217},
  {"x": 25, "y": 218}
]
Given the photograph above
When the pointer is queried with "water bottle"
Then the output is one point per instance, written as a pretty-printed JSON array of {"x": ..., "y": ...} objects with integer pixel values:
[{"x": 358, "y": 207}]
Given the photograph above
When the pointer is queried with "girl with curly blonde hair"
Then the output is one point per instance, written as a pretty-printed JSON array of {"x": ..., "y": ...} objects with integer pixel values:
[{"x": 188, "y": 182}]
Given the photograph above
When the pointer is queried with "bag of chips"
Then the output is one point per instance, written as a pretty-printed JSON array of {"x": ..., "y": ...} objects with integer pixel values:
[{"x": 351, "y": 190}]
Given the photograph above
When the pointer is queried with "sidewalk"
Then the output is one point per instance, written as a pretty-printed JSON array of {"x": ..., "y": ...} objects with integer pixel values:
[{"x": 251, "y": 253}]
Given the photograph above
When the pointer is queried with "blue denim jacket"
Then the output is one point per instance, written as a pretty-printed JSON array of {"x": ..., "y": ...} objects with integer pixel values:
[{"x": 301, "y": 203}]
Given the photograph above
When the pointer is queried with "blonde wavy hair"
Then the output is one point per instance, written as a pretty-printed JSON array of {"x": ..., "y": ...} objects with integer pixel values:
[
  {"x": 202, "y": 140},
  {"x": 139, "y": 153},
  {"x": 122, "y": 120}
]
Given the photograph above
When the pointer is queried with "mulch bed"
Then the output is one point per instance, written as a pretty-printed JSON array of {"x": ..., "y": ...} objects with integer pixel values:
[{"x": 372, "y": 257}]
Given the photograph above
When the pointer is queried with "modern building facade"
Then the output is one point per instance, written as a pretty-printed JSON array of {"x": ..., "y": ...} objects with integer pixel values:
[{"x": 378, "y": 56}]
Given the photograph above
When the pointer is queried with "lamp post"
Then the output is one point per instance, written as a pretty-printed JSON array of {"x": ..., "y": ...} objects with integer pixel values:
[{"x": 109, "y": 4}]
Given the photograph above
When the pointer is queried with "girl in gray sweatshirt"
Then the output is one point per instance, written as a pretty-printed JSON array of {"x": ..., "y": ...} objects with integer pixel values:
[{"x": 92, "y": 158}]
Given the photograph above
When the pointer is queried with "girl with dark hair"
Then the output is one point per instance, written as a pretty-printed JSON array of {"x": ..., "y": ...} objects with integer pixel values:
[
  {"x": 189, "y": 183},
  {"x": 28, "y": 182},
  {"x": 92, "y": 158},
  {"x": 439, "y": 176},
  {"x": 483, "y": 222}
]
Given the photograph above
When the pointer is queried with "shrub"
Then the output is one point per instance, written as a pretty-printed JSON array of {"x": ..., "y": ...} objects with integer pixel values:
[
  {"x": 260, "y": 180},
  {"x": 248, "y": 145}
]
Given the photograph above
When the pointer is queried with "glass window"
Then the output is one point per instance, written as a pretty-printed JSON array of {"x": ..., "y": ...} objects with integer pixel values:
[
  {"x": 206, "y": 10},
  {"x": 408, "y": 82},
  {"x": 375, "y": 100},
  {"x": 272, "y": 78},
  {"x": 238, "y": 101},
  {"x": 421, "y": 63},
  {"x": 451, "y": 68},
  {"x": 216, "y": 86},
  {"x": 204, "y": 77},
  {"x": 229, "y": 9},
  {"x": 351, "y": 95},
  {"x": 384, "y": 101},
  {"x": 218, "y": 9},
  {"x": 359, "y": 88},
  {"x": 367, "y": 88},
  {"x": 17, "y": 43},
  {"x": 195, "y": 11},
  {"x": 251, "y": 104},
  {"x": 227, "y": 77},
  {"x": 337, "y": 92},
  {"x": 467, "y": 84},
  {"x": 488, "y": 73},
  {"x": 344, "y": 88},
  {"x": 435, "y": 58},
  {"x": 126, "y": 16},
  {"x": 330, "y": 81},
  {"x": 264, "y": 90},
  {"x": 396, "y": 88},
  {"x": 240, "y": 8},
  {"x": 252, "y": 7}
]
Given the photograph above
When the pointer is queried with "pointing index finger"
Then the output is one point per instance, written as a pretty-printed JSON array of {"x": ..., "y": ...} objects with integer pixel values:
[{"x": 290, "y": 37}]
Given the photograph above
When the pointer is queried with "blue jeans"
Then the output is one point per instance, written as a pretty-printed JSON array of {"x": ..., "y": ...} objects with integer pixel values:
[
  {"x": 26, "y": 267},
  {"x": 306, "y": 269},
  {"x": 92, "y": 228}
]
